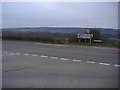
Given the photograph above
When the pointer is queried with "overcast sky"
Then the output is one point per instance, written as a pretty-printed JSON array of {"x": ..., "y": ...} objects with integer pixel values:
[{"x": 80, "y": 14}]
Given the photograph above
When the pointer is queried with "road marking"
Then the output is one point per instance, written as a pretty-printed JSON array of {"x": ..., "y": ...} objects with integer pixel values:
[
  {"x": 90, "y": 62},
  {"x": 107, "y": 64},
  {"x": 54, "y": 57},
  {"x": 26, "y": 54},
  {"x": 34, "y": 55},
  {"x": 77, "y": 60},
  {"x": 37, "y": 43},
  {"x": 64, "y": 58},
  {"x": 104, "y": 64},
  {"x": 44, "y": 56},
  {"x": 117, "y": 65}
]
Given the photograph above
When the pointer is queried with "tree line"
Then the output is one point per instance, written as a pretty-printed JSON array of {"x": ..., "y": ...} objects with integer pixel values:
[{"x": 48, "y": 37}]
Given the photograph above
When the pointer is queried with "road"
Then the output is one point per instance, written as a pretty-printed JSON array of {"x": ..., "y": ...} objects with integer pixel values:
[{"x": 36, "y": 65}]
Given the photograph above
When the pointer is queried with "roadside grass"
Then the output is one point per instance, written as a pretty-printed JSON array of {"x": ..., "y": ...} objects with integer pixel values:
[{"x": 116, "y": 45}]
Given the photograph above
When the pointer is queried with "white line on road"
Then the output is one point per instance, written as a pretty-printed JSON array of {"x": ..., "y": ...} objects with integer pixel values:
[
  {"x": 54, "y": 57},
  {"x": 34, "y": 55},
  {"x": 104, "y": 64},
  {"x": 117, "y": 65},
  {"x": 64, "y": 58},
  {"x": 26, "y": 54},
  {"x": 90, "y": 62},
  {"x": 44, "y": 56},
  {"x": 37, "y": 43},
  {"x": 77, "y": 60}
]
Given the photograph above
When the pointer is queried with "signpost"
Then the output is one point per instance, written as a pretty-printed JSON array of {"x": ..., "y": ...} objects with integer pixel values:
[
  {"x": 78, "y": 37},
  {"x": 85, "y": 36}
]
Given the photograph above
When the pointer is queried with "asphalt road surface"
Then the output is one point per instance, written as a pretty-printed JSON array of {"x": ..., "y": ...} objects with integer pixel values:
[{"x": 36, "y": 65}]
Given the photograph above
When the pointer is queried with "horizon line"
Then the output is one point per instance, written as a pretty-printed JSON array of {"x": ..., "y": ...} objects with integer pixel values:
[{"x": 58, "y": 27}]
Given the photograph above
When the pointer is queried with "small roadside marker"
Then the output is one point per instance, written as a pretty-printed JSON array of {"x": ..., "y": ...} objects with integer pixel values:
[
  {"x": 77, "y": 60},
  {"x": 90, "y": 62},
  {"x": 64, "y": 58},
  {"x": 104, "y": 64},
  {"x": 54, "y": 57},
  {"x": 117, "y": 65},
  {"x": 43, "y": 56}
]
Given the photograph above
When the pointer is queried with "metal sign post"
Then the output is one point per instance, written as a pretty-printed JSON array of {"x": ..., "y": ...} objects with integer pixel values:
[{"x": 78, "y": 37}]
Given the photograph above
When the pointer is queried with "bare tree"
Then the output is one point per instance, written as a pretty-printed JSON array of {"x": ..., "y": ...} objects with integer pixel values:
[{"x": 96, "y": 33}]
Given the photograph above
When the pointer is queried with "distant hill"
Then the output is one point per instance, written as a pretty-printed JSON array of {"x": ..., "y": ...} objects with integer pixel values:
[{"x": 104, "y": 31}]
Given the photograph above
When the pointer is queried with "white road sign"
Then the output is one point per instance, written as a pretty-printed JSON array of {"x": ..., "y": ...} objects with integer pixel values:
[{"x": 85, "y": 35}]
